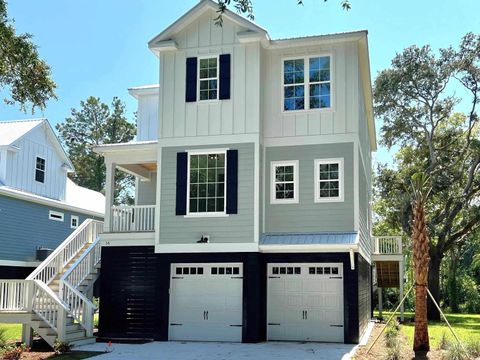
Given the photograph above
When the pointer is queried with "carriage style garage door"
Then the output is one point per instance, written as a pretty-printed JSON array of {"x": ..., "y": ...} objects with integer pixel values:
[
  {"x": 305, "y": 302},
  {"x": 206, "y": 302}
]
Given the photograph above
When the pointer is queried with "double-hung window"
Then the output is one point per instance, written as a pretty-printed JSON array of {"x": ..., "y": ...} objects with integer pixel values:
[
  {"x": 206, "y": 187},
  {"x": 40, "y": 169},
  {"x": 329, "y": 180},
  {"x": 284, "y": 182},
  {"x": 208, "y": 78},
  {"x": 307, "y": 83}
]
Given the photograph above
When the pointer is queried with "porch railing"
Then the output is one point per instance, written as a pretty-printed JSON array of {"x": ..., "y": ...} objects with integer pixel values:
[
  {"x": 139, "y": 218},
  {"x": 387, "y": 245}
]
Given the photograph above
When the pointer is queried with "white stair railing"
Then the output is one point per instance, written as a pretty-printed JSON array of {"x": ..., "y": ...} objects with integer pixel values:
[
  {"x": 139, "y": 218},
  {"x": 79, "y": 306},
  {"x": 54, "y": 264},
  {"x": 15, "y": 295},
  {"x": 84, "y": 266}
]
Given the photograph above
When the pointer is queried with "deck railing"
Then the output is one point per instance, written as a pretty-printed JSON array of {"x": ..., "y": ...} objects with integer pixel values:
[
  {"x": 387, "y": 245},
  {"x": 14, "y": 295},
  {"x": 138, "y": 218}
]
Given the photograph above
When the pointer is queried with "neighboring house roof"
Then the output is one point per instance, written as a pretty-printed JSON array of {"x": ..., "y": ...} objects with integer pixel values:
[
  {"x": 344, "y": 238},
  {"x": 144, "y": 90},
  {"x": 77, "y": 199},
  {"x": 12, "y": 131}
]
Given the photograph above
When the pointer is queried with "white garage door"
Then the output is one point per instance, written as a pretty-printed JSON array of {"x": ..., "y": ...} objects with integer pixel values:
[
  {"x": 305, "y": 302},
  {"x": 206, "y": 302}
]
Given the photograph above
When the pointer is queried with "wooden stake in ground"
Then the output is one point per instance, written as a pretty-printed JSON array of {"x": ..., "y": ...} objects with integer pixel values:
[{"x": 421, "y": 189}]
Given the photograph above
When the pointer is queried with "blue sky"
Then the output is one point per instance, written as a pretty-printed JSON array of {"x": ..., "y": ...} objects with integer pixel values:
[{"x": 100, "y": 47}]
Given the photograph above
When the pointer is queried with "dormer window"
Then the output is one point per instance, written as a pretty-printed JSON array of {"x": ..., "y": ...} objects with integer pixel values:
[
  {"x": 306, "y": 83},
  {"x": 208, "y": 78},
  {"x": 40, "y": 170}
]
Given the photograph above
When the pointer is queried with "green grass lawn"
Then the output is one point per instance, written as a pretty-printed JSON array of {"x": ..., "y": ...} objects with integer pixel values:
[
  {"x": 13, "y": 331},
  {"x": 466, "y": 326}
]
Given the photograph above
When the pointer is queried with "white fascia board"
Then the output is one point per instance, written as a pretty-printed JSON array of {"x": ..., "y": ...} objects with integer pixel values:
[
  {"x": 317, "y": 40},
  {"x": 127, "y": 239},
  {"x": 139, "y": 91},
  {"x": 206, "y": 248},
  {"x": 305, "y": 248},
  {"x": 19, "y": 263},
  {"x": 17, "y": 194},
  {"x": 126, "y": 147}
]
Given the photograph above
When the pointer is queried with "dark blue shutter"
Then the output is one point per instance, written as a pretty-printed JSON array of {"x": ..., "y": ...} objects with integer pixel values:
[
  {"x": 224, "y": 91},
  {"x": 181, "y": 198},
  {"x": 232, "y": 181},
  {"x": 191, "y": 80}
]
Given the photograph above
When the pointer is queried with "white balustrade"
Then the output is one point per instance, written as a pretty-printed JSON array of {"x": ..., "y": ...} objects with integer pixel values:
[
  {"x": 14, "y": 295},
  {"x": 387, "y": 245},
  {"x": 139, "y": 218},
  {"x": 79, "y": 306},
  {"x": 84, "y": 266},
  {"x": 54, "y": 264}
]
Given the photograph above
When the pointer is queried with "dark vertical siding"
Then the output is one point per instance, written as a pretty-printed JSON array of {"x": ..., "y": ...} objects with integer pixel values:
[{"x": 364, "y": 294}]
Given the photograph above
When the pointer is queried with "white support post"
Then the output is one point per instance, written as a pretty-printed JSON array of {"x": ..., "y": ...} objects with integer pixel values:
[
  {"x": 27, "y": 334},
  {"x": 109, "y": 194},
  {"x": 401, "y": 279},
  {"x": 380, "y": 302},
  {"x": 61, "y": 324}
]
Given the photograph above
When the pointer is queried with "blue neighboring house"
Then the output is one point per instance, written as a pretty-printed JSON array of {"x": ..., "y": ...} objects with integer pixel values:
[{"x": 39, "y": 205}]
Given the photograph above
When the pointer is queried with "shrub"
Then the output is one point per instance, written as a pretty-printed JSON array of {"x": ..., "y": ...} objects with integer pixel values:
[
  {"x": 61, "y": 347},
  {"x": 394, "y": 351},
  {"x": 456, "y": 352},
  {"x": 391, "y": 334},
  {"x": 14, "y": 352},
  {"x": 473, "y": 348},
  {"x": 444, "y": 342}
]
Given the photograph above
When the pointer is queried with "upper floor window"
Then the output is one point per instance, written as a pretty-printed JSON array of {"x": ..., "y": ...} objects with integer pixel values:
[
  {"x": 306, "y": 83},
  {"x": 206, "y": 188},
  {"x": 208, "y": 78},
  {"x": 328, "y": 180},
  {"x": 74, "y": 221},
  {"x": 55, "y": 215},
  {"x": 284, "y": 182},
  {"x": 40, "y": 170}
]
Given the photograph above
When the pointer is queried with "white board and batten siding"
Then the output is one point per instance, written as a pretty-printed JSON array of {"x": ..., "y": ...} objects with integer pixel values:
[
  {"x": 305, "y": 302},
  {"x": 206, "y": 302},
  {"x": 341, "y": 118},
  {"x": 20, "y": 167},
  {"x": 238, "y": 115},
  {"x": 147, "y": 117}
]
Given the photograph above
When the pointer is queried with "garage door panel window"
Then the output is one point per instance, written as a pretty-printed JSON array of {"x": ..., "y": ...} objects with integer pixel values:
[{"x": 189, "y": 270}]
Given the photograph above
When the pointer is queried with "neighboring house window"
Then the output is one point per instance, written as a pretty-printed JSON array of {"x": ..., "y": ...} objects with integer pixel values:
[
  {"x": 40, "y": 170},
  {"x": 55, "y": 215},
  {"x": 208, "y": 78},
  {"x": 284, "y": 182},
  {"x": 329, "y": 180},
  {"x": 74, "y": 222},
  {"x": 306, "y": 83},
  {"x": 206, "y": 186}
]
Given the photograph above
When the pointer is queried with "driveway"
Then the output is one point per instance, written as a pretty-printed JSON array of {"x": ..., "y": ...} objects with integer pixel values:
[{"x": 222, "y": 351}]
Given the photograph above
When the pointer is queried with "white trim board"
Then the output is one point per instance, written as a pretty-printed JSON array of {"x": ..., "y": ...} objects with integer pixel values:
[
  {"x": 206, "y": 248},
  {"x": 19, "y": 263}
]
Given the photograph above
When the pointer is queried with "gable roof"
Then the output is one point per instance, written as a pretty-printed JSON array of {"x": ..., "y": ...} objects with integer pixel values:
[
  {"x": 195, "y": 12},
  {"x": 12, "y": 131}
]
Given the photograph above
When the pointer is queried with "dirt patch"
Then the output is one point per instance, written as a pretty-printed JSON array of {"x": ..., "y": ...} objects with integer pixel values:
[
  {"x": 379, "y": 351},
  {"x": 41, "y": 351}
]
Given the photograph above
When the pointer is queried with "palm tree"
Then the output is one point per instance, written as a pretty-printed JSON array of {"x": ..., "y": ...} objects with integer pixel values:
[{"x": 420, "y": 190}]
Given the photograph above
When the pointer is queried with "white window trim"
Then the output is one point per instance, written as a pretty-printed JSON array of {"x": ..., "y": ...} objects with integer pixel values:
[
  {"x": 316, "y": 180},
  {"x": 273, "y": 165},
  {"x": 306, "y": 84},
  {"x": 44, "y": 171},
  {"x": 206, "y": 214},
  {"x": 52, "y": 213},
  {"x": 73, "y": 217},
  {"x": 217, "y": 56}
]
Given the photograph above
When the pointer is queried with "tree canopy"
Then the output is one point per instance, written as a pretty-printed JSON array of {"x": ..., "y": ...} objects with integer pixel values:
[
  {"x": 95, "y": 123},
  {"x": 420, "y": 113},
  {"x": 22, "y": 72}
]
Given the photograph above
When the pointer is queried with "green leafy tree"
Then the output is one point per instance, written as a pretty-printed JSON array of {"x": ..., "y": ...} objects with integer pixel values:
[
  {"x": 96, "y": 124},
  {"x": 22, "y": 72},
  {"x": 417, "y": 107},
  {"x": 245, "y": 7}
]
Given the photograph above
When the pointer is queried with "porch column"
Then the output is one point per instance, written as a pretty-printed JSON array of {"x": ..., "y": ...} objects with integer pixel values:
[
  {"x": 27, "y": 334},
  {"x": 401, "y": 278},
  {"x": 380, "y": 302},
  {"x": 109, "y": 194}
]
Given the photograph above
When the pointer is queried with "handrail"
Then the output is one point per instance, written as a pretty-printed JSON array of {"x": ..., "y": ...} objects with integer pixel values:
[
  {"x": 66, "y": 251},
  {"x": 83, "y": 266},
  {"x": 79, "y": 306}
]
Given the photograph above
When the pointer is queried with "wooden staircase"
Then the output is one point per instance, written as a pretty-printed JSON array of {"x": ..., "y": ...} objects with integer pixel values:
[{"x": 55, "y": 300}]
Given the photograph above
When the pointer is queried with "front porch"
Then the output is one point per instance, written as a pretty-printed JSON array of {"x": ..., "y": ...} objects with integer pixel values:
[
  {"x": 139, "y": 160},
  {"x": 389, "y": 267}
]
